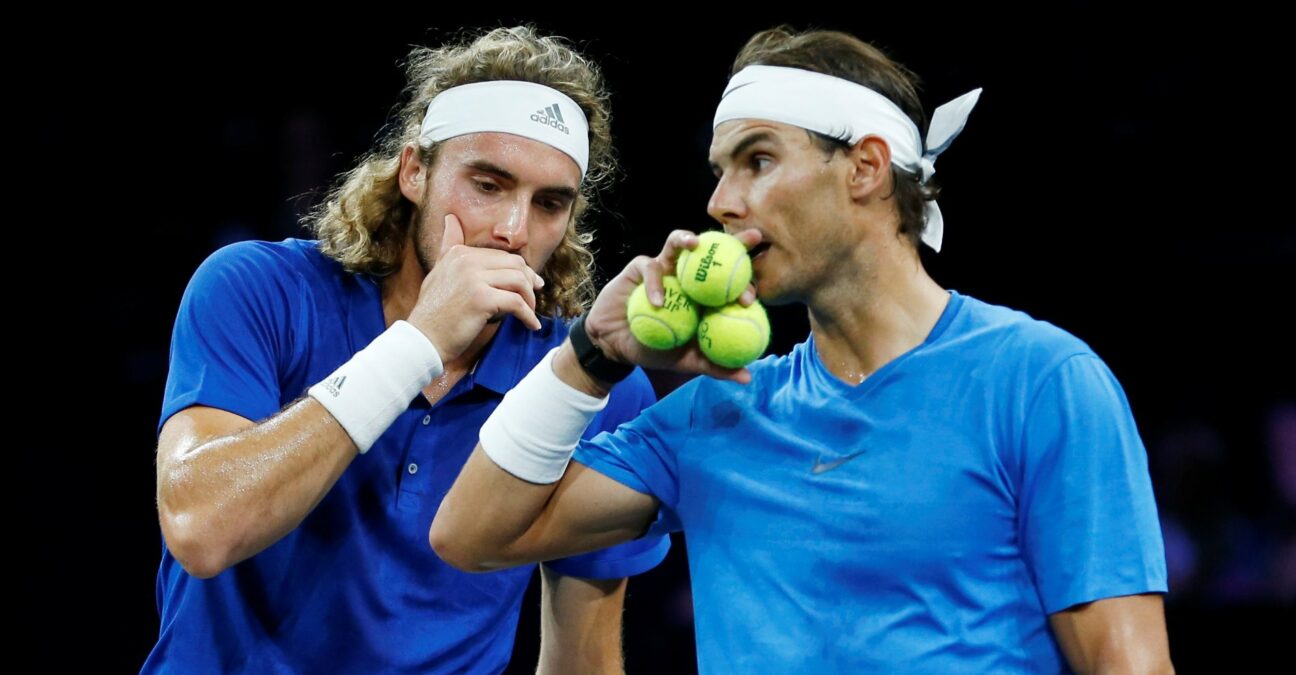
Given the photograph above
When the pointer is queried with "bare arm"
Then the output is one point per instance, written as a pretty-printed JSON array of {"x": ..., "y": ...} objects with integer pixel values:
[
  {"x": 491, "y": 519},
  {"x": 580, "y": 624},
  {"x": 228, "y": 488},
  {"x": 1115, "y": 635}
]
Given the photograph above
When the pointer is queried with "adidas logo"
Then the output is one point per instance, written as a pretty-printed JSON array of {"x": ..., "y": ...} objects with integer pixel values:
[
  {"x": 334, "y": 386},
  {"x": 550, "y": 116}
]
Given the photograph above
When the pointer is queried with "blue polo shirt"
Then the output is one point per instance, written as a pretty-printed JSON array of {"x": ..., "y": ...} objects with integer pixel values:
[{"x": 355, "y": 588}]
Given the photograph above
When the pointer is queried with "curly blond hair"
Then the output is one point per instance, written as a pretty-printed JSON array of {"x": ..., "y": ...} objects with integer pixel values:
[{"x": 364, "y": 221}]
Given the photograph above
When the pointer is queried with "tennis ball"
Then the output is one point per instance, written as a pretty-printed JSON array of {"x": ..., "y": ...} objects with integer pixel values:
[
  {"x": 716, "y": 272},
  {"x": 665, "y": 327},
  {"x": 733, "y": 336}
]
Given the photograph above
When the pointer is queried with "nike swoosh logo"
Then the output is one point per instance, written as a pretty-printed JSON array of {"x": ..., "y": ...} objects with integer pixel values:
[
  {"x": 744, "y": 84},
  {"x": 824, "y": 467}
]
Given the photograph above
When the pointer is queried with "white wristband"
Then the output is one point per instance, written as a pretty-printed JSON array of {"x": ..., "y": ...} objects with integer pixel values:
[
  {"x": 535, "y": 429},
  {"x": 368, "y": 393}
]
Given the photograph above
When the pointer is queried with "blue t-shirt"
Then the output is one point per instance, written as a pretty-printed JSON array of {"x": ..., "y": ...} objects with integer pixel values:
[
  {"x": 927, "y": 520},
  {"x": 356, "y": 587}
]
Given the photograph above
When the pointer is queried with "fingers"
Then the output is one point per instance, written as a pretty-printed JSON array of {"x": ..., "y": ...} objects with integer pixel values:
[
  {"x": 451, "y": 233},
  {"x": 484, "y": 278},
  {"x": 511, "y": 303},
  {"x": 695, "y": 361},
  {"x": 513, "y": 284},
  {"x": 537, "y": 282},
  {"x": 647, "y": 271},
  {"x": 678, "y": 240},
  {"x": 512, "y": 280},
  {"x": 650, "y": 271},
  {"x": 740, "y": 375},
  {"x": 467, "y": 260},
  {"x": 492, "y": 259},
  {"x": 749, "y": 238}
]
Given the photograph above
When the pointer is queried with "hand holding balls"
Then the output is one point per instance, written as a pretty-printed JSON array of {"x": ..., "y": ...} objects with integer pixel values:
[
  {"x": 665, "y": 327},
  {"x": 713, "y": 274},
  {"x": 716, "y": 272}
]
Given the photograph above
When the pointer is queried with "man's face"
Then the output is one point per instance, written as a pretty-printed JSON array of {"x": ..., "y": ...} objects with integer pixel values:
[
  {"x": 774, "y": 179},
  {"x": 510, "y": 193}
]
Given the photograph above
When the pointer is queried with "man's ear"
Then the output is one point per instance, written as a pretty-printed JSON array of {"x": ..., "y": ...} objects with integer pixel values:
[
  {"x": 870, "y": 172},
  {"x": 412, "y": 174}
]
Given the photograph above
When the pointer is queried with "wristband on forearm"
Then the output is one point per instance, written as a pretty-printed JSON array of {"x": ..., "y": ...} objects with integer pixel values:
[{"x": 366, "y": 394}]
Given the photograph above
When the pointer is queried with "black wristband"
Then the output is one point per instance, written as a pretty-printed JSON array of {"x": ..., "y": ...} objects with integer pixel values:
[{"x": 592, "y": 359}]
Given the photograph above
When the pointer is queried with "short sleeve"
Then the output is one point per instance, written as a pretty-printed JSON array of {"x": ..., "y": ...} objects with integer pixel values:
[
  {"x": 232, "y": 336},
  {"x": 1089, "y": 519}
]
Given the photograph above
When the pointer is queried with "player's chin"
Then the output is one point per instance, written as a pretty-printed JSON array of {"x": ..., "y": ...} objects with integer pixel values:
[{"x": 770, "y": 293}]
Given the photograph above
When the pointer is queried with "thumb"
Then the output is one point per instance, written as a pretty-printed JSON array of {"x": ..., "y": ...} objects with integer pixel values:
[{"x": 451, "y": 233}]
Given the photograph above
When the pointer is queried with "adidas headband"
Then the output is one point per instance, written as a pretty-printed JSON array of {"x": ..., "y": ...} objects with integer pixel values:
[
  {"x": 842, "y": 109},
  {"x": 524, "y": 109}
]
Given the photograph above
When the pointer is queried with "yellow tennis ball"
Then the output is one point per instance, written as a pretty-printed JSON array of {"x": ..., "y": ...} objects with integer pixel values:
[
  {"x": 716, "y": 272},
  {"x": 665, "y": 327},
  {"x": 733, "y": 336}
]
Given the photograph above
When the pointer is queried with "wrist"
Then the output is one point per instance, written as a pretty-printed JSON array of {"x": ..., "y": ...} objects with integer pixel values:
[
  {"x": 593, "y": 360},
  {"x": 568, "y": 369}
]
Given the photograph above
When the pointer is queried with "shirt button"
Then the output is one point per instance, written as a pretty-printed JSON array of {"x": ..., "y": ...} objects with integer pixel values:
[
  {"x": 413, "y": 468},
  {"x": 426, "y": 419}
]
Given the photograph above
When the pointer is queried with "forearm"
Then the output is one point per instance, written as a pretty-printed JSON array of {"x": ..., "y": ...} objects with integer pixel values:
[
  {"x": 495, "y": 514},
  {"x": 490, "y": 519},
  {"x": 228, "y": 498},
  {"x": 1121, "y": 661},
  {"x": 580, "y": 625},
  {"x": 1124, "y": 634},
  {"x": 1120, "y": 658}
]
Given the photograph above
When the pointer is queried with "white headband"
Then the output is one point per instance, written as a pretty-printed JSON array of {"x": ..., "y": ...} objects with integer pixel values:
[
  {"x": 842, "y": 109},
  {"x": 525, "y": 109}
]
